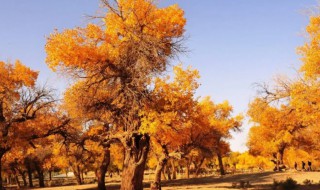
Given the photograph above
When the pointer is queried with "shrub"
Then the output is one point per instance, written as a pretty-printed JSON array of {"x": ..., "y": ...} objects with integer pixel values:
[
  {"x": 307, "y": 182},
  {"x": 288, "y": 184}
]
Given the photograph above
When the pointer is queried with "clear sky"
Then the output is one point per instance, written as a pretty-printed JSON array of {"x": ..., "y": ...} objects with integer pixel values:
[{"x": 233, "y": 43}]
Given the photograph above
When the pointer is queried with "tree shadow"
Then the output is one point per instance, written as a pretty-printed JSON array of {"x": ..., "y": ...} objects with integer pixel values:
[{"x": 212, "y": 180}]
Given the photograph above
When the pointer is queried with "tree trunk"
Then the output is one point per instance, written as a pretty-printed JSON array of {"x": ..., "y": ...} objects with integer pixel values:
[
  {"x": 29, "y": 171},
  {"x": 198, "y": 167},
  {"x": 17, "y": 181},
  {"x": 156, "y": 184},
  {"x": 2, "y": 152},
  {"x": 30, "y": 177},
  {"x": 1, "y": 185},
  {"x": 281, "y": 156},
  {"x": 40, "y": 174},
  {"x": 102, "y": 170},
  {"x": 50, "y": 175},
  {"x": 189, "y": 161},
  {"x": 82, "y": 176},
  {"x": 174, "y": 172},
  {"x": 23, "y": 176},
  {"x": 136, "y": 151},
  {"x": 222, "y": 172},
  {"x": 167, "y": 169},
  {"x": 188, "y": 170},
  {"x": 77, "y": 174},
  {"x": 163, "y": 175},
  {"x": 24, "y": 179}
]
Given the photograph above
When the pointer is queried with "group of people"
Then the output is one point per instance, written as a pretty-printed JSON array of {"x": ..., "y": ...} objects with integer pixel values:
[{"x": 303, "y": 166}]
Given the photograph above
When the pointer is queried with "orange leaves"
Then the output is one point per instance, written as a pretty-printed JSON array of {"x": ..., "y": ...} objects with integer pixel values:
[
  {"x": 94, "y": 46},
  {"x": 137, "y": 18},
  {"x": 24, "y": 74},
  {"x": 169, "y": 115},
  {"x": 219, "y": 117},
  {"x": 80, "y": 48},
  {"x": 15, "y": 76}
]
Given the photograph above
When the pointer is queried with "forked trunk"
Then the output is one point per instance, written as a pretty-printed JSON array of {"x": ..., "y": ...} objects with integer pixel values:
[
  {"x": 102, "y": 170},
  {"x": 198, "y": 166},
  {"x": 136, "y": 151},
  {"x": 23, "y": 176}
]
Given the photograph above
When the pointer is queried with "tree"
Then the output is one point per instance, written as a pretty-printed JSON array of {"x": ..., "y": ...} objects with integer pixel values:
[
  {"x": 281, "y": 115},
  {"x": 310, "y": 50},
  {"x": 168, "y": 116},
  {"x": 115, "y": 64},
  {"x": 220, "y": 123},
  {"x": 20, "y": 102}
]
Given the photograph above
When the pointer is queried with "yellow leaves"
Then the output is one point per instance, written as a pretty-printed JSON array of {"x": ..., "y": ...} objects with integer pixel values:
[
  {"x": 117, "y": 155},
  {"x": 247, "y": 161},
  {"x": 219, "y": 117},
  {"x": 94, "y": 46},
  {"x": 24, "y": 74},
  {"x": 310, "y": 51},
  {"x": 80, "y": 48},
  {"x": 168, "y": 118},
  {"x": 137, "y": 18},
  {"x": 186, "y": 79},
  {"x": 15, "y": 76}
]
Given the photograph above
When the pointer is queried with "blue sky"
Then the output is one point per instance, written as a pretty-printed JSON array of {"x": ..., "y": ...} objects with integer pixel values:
[{"x": 233, "y": 43}]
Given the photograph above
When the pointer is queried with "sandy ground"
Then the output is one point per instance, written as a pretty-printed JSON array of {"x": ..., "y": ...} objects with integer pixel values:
[{"x": 261, "y": 181}]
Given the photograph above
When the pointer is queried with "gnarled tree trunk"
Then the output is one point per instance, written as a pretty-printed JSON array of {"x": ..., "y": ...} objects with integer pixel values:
[
  {"x": 102, "y": 170},
  {"x": 136, "y": 151}
]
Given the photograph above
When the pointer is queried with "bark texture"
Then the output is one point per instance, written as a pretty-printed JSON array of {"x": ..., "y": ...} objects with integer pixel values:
[{"x": 136, "y": 151}]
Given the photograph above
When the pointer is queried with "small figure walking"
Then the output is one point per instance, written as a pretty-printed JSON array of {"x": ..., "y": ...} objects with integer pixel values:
[
  {"x": 303, "y": 165},
  {"x": 309, "y": 165},
  {"x": 295, "y": 166}
]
